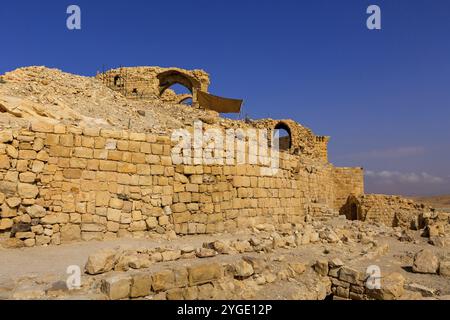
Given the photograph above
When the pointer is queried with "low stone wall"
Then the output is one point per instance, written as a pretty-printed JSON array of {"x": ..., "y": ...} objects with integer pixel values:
[
  {"x": 390, "y": 210},
  {"x": 61, "y": 184}
]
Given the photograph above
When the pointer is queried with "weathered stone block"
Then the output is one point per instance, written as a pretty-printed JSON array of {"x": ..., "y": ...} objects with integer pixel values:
[
  {"x": 350, "y": 275},
  {"x": 28, "y": 191},
  {"x": 204, "y": 273},
  {"x": 163, "y": 280},
  {"x": 39, "y": 126},
  {"x": 117, "y": 287},
  {"x": 101, "y": 261},
  {"x": 70, "y": 232},
  {"x": 141, "y": 285},
  {"x": 392, "y": 287},
  {"x": 425, "y": 261}
]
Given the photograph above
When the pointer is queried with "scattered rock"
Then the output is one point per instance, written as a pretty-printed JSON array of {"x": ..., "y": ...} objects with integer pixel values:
[
  {"x": 205, "y": 253},
  {"x": 321, "y": 267},
  {"x": 298, "y": 267},
  {"x": 335, "y": 263},
  {"x": 423, "y": 290},
  {"x": 101, "y": 261},
  {"x": 243, "y": 269},
  {"x": 392, "y": 288},
  {"x": 425, "y": 261}
]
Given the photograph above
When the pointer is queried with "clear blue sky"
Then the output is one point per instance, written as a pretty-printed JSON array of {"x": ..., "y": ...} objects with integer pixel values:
[{"x": 383, "y": 96}]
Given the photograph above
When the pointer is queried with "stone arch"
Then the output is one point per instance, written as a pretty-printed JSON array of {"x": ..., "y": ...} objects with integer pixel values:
[
  {"x": 285, "y": 142},
  {"x": 185, "y": 98},
  {"x": 171, "y": 77}
]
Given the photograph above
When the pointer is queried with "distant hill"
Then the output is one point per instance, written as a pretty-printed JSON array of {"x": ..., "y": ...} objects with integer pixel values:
[{"x": 438, "y": 202}]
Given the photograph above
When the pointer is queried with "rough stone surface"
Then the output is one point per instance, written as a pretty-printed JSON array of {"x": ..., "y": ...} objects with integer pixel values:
[
  {"x": 101, "y": 261},
  {"x": 116, "y": 287},
  {"x": 425, "y": 261}
]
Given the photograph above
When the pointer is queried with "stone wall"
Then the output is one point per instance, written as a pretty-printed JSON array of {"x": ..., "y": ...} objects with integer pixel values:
[
  {"x": 392, "y": 211},
  {"x": 152, "y": 82},
  {"x": 347, "y": 181},
  {"x": 60, "y": 184}
]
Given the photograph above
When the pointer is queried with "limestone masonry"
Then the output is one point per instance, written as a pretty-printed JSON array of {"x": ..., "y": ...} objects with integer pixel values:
[
  {"x": 61, "y": 183},
  {"x": 90, "y": 161}
]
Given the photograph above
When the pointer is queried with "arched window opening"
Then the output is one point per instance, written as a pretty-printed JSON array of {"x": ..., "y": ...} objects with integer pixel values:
[
  {"x": 177, "y": 93},
  {"x": 282, "y": 133},
  {"x": 118, "y": 82},
  {"x": 168, "y": 78}
]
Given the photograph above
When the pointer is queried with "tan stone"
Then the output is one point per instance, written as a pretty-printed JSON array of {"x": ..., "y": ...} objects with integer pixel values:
[
  {"x": 163, "y": 280},
  {"x": 425, "y": 261},
  {"x": 4, "y": 162},
  {"x": 26, "y": 190},
  {"x": 126, "y": 167},
  {"x": 27, "y": 154},
  {"x": 116, "y": 203},
  {"x": 13, "y": 202},
  {"x": 27, "y": 177},
  {"x": 12, "y": 152},
  {"x": 171, "y": 255},
  {"x": 24, "y": 235},
  {"x": 350, "y": 275},
  {"x": 114, "y": 215},
  {"x": 101, "y": 261},
  {"x": 102, "y": 198},
  {"x": 444, "y": 268},
  {"x": 92, "y": 227},
  {"x": 243, "y": 269},
  {"x": 39, "y": 126},
  {"x": 175, "y": 294},
  {"x": 70, "y": 232},
  {"x": 141, "y": 285},
  {"x": 6, "y": 136},
  {"x": 29, "y": 242},
  {"x": 36, "y": 211},
  {"x": 138, "y": 226},
  {"x": 6, "y": 224},
  {"x": 321, "y": 267},
  {"x": 7, "y": 212},
  {"x": 392, "y": 288},
  {"x": 204, "y": 273},
  {"x": 116, "y": 287}
]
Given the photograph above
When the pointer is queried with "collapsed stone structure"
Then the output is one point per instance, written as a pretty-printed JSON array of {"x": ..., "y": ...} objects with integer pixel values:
[
  {"x": 63, "y": 183},
  {"x": 153, "y": 82}
]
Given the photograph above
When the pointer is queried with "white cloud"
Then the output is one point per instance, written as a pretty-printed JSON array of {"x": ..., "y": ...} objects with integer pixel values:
[{"x": 391, "y": 177}]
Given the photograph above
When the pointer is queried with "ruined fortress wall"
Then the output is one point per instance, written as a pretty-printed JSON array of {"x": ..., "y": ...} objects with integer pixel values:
[
  {"x": 347, "y": 181},
  {"x": 392, "y": 211},
  {"x": 60, "y": 184}
]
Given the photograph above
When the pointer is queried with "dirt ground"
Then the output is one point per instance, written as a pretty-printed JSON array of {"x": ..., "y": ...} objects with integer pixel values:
[{"x": 50, "y": 263}]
